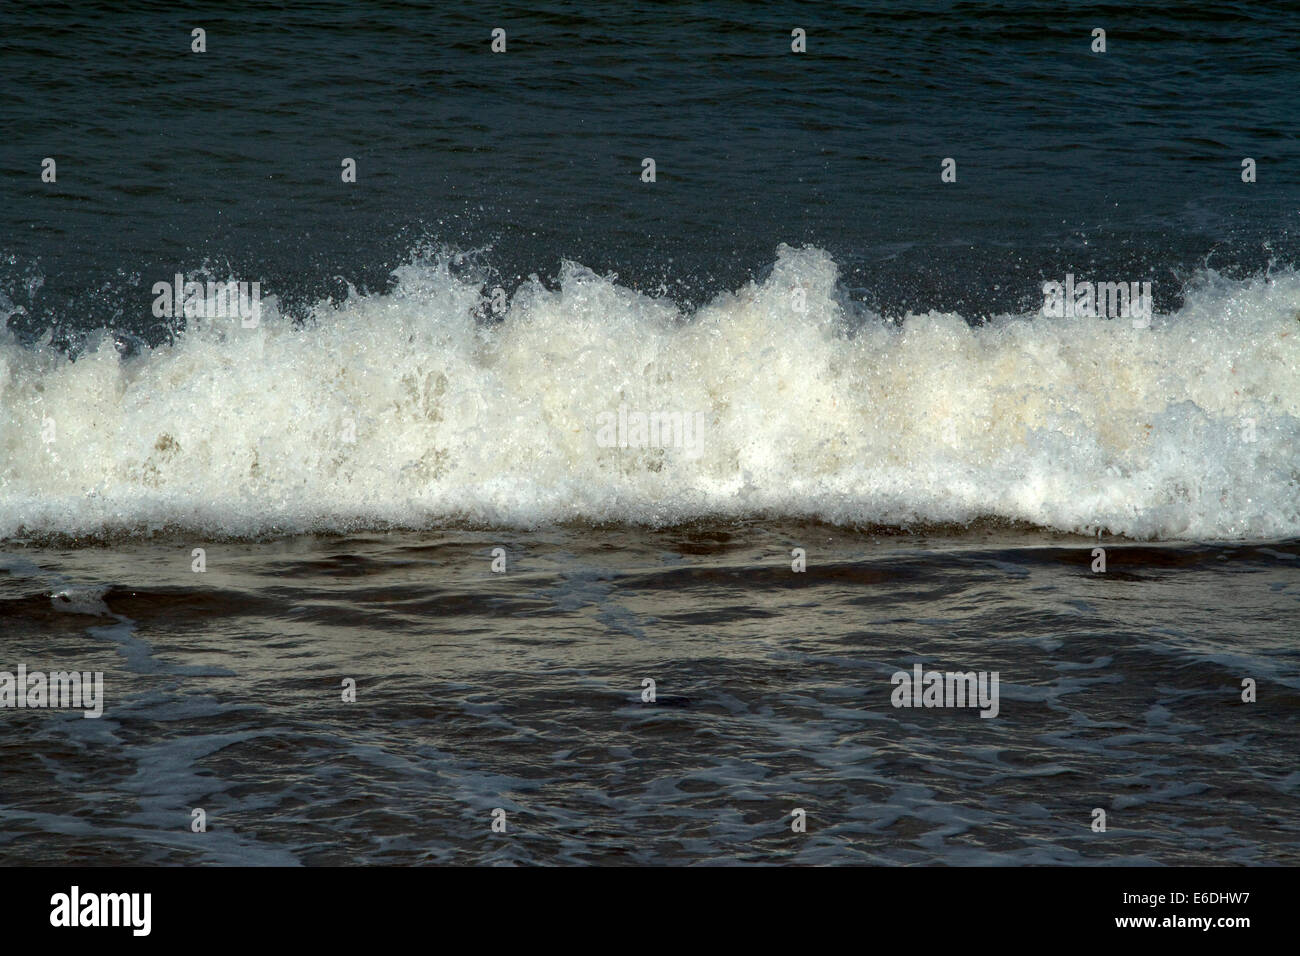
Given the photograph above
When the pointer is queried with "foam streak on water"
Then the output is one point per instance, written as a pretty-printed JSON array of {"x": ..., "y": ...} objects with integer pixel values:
[{"x": 406, "y": 409}]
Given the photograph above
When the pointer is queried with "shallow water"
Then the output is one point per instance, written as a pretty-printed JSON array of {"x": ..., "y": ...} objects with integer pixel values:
[{"x": 522, "y": 691}]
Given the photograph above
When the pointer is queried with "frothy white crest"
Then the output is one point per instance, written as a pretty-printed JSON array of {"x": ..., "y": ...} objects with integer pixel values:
[{"x": 403, "y": 409}]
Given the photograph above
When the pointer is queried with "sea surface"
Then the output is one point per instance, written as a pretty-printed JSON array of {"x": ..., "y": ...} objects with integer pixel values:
[{"x": 380, "y": 576}]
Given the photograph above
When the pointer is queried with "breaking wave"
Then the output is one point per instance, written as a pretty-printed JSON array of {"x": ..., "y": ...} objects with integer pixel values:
[{"x": 408, "y": 409}]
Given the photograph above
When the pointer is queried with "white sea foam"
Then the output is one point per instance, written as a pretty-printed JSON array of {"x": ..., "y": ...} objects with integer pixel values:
[{"x": 402, "y": 408}]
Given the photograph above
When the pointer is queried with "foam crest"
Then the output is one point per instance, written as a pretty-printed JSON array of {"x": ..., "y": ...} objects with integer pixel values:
[{"x": 406, "y": 409}]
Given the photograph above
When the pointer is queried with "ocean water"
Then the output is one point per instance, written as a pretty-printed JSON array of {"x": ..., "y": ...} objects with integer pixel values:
[{"x": 514, "y": 431}]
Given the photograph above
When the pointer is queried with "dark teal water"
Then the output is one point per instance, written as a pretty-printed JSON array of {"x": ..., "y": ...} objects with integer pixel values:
[{"x": 1122, "y": 164}]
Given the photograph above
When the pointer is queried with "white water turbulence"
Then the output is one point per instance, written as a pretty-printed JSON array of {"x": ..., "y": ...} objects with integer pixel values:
[{"x": 407, "y": 409}]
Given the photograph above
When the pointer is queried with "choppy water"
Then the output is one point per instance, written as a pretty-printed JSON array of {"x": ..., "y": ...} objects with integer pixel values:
[
  {"x": 444, "y": 345},
  {"x": 1124, "y": 164}
]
